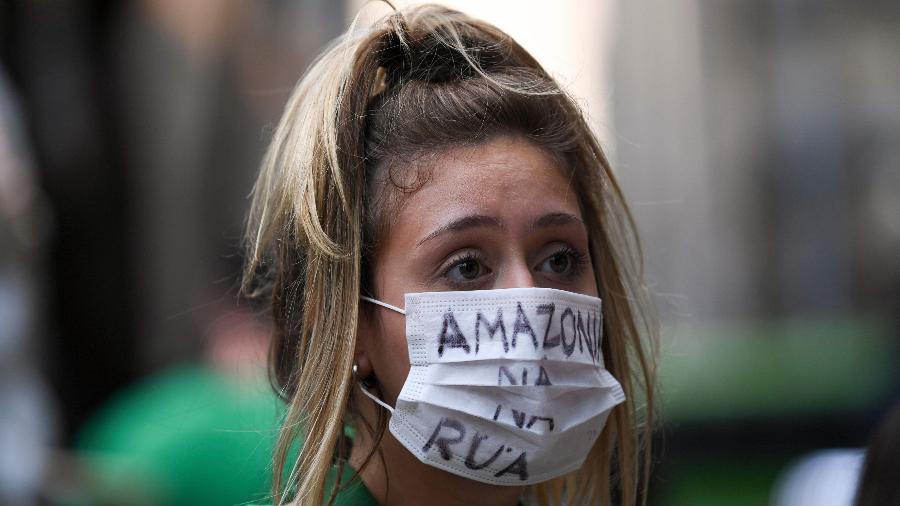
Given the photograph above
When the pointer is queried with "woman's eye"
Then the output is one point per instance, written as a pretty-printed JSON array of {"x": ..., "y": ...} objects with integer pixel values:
[
  {"x": 469, "y": 269},
  {"x": 559, "y": 262},
  {"x": 567, "y": 262},
  {"x": 465, "y": 270}
]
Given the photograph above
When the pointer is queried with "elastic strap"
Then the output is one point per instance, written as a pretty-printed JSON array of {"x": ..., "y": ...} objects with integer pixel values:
[
  {"x": 382, "y": 304},
  {"x": 376, "y": 399}
]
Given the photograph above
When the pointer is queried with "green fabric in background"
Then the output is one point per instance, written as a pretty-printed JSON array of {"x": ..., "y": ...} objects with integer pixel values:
[
  {"x": 776, "y": 369},
  {"x": 770, "y": 375},
  {"x": 186, "y": 436},
  {"x": 718, "y": 481}
]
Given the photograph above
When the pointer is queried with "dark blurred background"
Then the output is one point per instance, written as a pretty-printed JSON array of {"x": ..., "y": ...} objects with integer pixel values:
[{"x": 759, "y": 143}]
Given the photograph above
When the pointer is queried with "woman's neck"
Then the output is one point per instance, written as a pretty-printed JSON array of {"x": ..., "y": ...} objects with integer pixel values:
[{"x": 401, "y": 479}]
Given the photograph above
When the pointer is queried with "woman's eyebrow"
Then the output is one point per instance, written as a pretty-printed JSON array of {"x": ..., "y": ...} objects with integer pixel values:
[
  {"x": 471, "y": 221},
  {"x": 557, "y": 219}
]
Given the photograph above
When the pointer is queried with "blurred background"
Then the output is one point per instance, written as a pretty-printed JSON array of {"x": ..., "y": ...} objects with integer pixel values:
[{"x": 759, "y": 144}]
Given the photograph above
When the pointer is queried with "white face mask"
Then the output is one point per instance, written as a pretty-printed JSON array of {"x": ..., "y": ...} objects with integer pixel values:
[{"x": 505, "y": 386}]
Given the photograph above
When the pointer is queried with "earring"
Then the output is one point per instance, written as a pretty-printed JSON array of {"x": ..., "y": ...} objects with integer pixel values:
[{"x": 367, "y": 382}]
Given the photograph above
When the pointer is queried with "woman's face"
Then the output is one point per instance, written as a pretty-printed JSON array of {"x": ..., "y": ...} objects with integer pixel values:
[{"x": 499, "y": 215}]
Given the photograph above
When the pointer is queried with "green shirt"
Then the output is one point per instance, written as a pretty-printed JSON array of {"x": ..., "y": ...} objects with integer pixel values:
[
  {"x": 356, "y": 494},
  {"x": 188, "y": 435}
]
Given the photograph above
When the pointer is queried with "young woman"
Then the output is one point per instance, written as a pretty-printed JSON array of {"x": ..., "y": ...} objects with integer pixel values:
[{"x": 435, "y": 227}]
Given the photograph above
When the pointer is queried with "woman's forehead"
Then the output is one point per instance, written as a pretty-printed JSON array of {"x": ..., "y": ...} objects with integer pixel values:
[
  {"x": 507, "y": 179},
  {"x": 499, "y": 169}
]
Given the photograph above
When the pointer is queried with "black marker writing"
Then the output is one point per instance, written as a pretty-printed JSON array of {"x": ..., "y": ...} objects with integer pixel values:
[
  {"x": 543, "y": 378},
  {"x": 450, "y": 432},
  {"x": 473, "y": 448},
  {"x": 598, "y": 330},
  {"x": 522, "y": 326},
  {"x": 579, "y": 330},
  {"x": 519, "y": 418},
  {"x": 503, "y": 371},
  {"x": 534, "y": 419},
  {"x": 518, "y": 466},
  {"x": 548, "y": 309},
  {"x": 455, "y": 339},
  {"x": 568, "y": 348},
  {"x": 443, "y": 443},
  {"x": 492, "y": 329}
]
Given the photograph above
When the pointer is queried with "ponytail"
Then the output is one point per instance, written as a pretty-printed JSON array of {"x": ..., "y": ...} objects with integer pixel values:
[{"x": 304, "y": 232}]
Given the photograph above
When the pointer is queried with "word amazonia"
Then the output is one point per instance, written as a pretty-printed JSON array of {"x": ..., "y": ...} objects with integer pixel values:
[{"x": 564, "y": 329}]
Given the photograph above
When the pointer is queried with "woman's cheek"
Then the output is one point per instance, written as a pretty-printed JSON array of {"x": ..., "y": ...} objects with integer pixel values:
[{"x": 394, "y": 360}]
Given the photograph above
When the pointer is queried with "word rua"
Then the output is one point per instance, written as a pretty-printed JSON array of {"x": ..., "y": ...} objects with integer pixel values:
[
  {"x": 450, "y": 432},
  {"x": 566, "y": 329}
]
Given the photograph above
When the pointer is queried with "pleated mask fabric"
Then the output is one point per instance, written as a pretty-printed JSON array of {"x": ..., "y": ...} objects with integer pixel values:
[{"x": 506, "y": 386}]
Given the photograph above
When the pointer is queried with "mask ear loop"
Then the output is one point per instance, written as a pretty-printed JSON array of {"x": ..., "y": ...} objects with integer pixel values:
[
  {"x": 369, "y": 394},
  {"x": 382, "y": 304}
]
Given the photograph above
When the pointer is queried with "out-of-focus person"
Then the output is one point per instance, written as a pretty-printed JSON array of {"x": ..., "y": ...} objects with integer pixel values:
[
  {"x": 846, "y": 476},
  {"x": 822, "y": 478},
  {"x": 199, "y": 433},
  {"x": 27, "y": 413},
  {"x": 879, "y": 484}
]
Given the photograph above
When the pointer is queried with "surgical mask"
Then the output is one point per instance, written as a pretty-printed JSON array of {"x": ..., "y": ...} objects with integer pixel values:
[{"x": 505, "y": 386}]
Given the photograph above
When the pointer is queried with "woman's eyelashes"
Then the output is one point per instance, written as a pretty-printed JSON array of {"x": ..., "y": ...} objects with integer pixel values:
[
  {"x": 565, "y": 262},
  {"x": 467, "y": 269}
]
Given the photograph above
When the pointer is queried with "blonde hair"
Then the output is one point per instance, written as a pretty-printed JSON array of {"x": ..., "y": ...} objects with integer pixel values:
[{"x": 419, "y": 81}]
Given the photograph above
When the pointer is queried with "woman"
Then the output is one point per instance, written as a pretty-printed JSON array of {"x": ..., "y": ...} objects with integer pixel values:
[{"x": 430, "y": 166}]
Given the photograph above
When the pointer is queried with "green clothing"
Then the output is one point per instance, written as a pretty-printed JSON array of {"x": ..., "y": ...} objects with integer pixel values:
[
  {"x": 190, "y": 436},
  {"x": 356, "y": 494},
  {"x": 186, "y": 436}
]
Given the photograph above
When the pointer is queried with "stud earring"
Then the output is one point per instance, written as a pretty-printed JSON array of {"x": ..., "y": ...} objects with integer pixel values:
[{"x": 368, "y": 382}]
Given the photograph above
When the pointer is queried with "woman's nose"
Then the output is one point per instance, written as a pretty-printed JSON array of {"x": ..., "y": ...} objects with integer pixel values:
[{"x": 517, "y": 274}]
